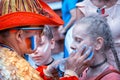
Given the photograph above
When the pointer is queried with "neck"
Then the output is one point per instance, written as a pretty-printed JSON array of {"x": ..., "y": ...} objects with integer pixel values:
[
  {"x": 98, "y": 70},
  {"x": 99, "y": 64},
  {"x": 99, "y": 59},
  {"x": 6, "y": 46},
  {"x": 50, "y": 62}
]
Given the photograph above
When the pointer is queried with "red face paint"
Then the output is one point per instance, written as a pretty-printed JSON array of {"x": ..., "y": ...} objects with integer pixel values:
[
  {"x": 101, "y": 10},
  {"x": 28, "y": 43},
  {"x": 31, "y": 42}
]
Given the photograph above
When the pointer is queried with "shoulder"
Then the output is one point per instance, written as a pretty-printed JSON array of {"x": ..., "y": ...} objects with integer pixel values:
[
  {"x": 112, "y": 76},
  {"x": 111, "y": 73}
]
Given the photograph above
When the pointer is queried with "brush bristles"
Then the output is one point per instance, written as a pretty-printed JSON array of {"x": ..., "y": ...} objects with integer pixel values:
[{"x": 9, "y": 6}]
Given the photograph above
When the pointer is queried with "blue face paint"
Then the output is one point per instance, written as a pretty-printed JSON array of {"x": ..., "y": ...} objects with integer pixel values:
[
  {"x": 90, "y": 55},
  {"x": 33, "y": 42},
  {"x": 101, "y": 10}
]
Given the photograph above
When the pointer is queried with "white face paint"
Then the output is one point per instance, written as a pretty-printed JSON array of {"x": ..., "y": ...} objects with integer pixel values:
[{"x": 46, "y": 47}]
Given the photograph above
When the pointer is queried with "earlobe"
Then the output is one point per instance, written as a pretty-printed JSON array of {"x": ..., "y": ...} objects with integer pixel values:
[{"x": 99, "y": 43}]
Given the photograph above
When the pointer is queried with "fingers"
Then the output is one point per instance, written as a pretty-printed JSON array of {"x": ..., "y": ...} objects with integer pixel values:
[
  {"x": 86, "y": 57},
  {"x": 80, "y": 70},
  {"x": 81, "y": 50},
  {"x": 88, "y": 54},
  {"x": 72, "y": 54},
  {"x": 80, "y": 60}
]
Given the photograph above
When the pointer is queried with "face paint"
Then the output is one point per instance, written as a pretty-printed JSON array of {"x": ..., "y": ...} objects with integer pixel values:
[
  {"x": 90, "y": 55},
  {"x": 28, "y": 42},
  {"x": 101, "y": 10},
  {"x": 46, "y": 47},
  {"x": 31, "y": 42},
  {"x": 74, "y": 51}
]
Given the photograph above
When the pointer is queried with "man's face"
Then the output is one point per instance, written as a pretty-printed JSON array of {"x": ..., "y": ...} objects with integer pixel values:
[
  {"x": 29, "y": 39},
  {"x": 80, "y": 37},
  {"x": 43, "y": 53}
]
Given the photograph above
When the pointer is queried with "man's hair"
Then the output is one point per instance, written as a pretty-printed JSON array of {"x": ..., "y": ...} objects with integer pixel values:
[
  {"x": 4, "y": 33},
  {"x": 98, "y": 27},
  {"x": 48, "y": 32}
]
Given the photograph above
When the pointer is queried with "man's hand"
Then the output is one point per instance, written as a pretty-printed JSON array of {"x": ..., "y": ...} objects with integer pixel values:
[{"x": 77, "y": 62}]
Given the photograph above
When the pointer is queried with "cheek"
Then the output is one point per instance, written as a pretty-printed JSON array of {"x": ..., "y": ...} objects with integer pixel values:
[
  {"x": 40, "y": 49},
  {"x": 28, "y": 43},
  {"x": 86, "y": 42}
]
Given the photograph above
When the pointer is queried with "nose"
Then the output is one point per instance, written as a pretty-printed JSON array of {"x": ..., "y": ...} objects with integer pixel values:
[{"x": 73, "y": 46}]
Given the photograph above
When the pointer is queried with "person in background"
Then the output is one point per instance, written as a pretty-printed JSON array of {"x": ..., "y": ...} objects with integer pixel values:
[
  {"x": 43, "y": 55},
  {"x": 94, "y": 31},
  {"x": 21, "y": 25},
  {"x": 69, "y": 17},
  {"x": 110, "y": 10}
]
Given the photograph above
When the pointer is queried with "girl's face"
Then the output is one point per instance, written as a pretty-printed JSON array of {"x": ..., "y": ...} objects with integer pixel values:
[
  {"x": 80, "y": 37},
  {"x": 42, "y": 55}
]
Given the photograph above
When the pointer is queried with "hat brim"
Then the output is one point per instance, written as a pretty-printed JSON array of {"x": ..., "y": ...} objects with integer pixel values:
[{"x": 28, "y": 18}]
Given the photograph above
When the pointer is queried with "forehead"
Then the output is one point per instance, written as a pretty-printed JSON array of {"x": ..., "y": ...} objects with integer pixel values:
[{"x": 80, "y": 30}]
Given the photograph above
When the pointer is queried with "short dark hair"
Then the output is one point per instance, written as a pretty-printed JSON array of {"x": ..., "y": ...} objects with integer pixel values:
[
  {"x": 4, "y": 33},
  {"x": 48, "y": 32}
]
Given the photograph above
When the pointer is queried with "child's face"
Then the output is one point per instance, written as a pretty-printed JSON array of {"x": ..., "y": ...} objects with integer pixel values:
[
  {"x": 80, "y": 37},
  {"x": 43, "y": 53}
]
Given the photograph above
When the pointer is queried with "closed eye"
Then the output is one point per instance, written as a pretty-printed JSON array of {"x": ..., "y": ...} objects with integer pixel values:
[{"x": 78, "y": 40}]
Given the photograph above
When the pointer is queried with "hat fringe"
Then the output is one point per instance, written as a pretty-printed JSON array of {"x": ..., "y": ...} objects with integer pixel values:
[{"x": 10, "y": 6}]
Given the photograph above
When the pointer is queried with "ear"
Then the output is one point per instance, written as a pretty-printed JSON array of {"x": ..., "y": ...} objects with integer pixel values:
[
  {"x": 19, "y": 35},
  {"x": 99, "y": 43},
  {"x": 52, "y": 43}
]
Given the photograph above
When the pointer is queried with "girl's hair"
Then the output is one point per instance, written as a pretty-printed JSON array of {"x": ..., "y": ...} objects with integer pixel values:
[
  {"x": 48, "y": 32},
  {"x": 98, "y": 27}
]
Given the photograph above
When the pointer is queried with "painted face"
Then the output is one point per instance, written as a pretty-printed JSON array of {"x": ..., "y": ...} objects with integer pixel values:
[
  {"x": 43, "y": 53},
  {"x": 30, "y": 37},
  {"x": 80, "y": 37}
]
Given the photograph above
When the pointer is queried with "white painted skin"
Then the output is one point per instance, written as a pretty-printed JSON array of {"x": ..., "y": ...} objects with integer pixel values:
[
  {"x": 42, "y": 54},
  {"x": 46, "y": 47}
]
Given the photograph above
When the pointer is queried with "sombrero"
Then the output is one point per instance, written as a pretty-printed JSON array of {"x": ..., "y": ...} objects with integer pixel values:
[{"x": 26, "y": 12}]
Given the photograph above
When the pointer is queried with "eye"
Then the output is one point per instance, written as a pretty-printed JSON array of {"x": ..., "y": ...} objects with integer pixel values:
[
  {"x": 41, "y": 43},
  {"x": 78, "y": 40}
]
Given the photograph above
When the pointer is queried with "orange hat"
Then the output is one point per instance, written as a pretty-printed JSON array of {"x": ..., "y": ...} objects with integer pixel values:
[{"x": 16, "y": 13}]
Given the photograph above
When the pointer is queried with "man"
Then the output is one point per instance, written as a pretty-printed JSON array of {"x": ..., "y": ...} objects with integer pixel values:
[{"x": 21, "y": 23}]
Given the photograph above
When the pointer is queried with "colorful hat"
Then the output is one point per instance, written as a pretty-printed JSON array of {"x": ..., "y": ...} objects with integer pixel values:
[{"x": 26, "y": 12}]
